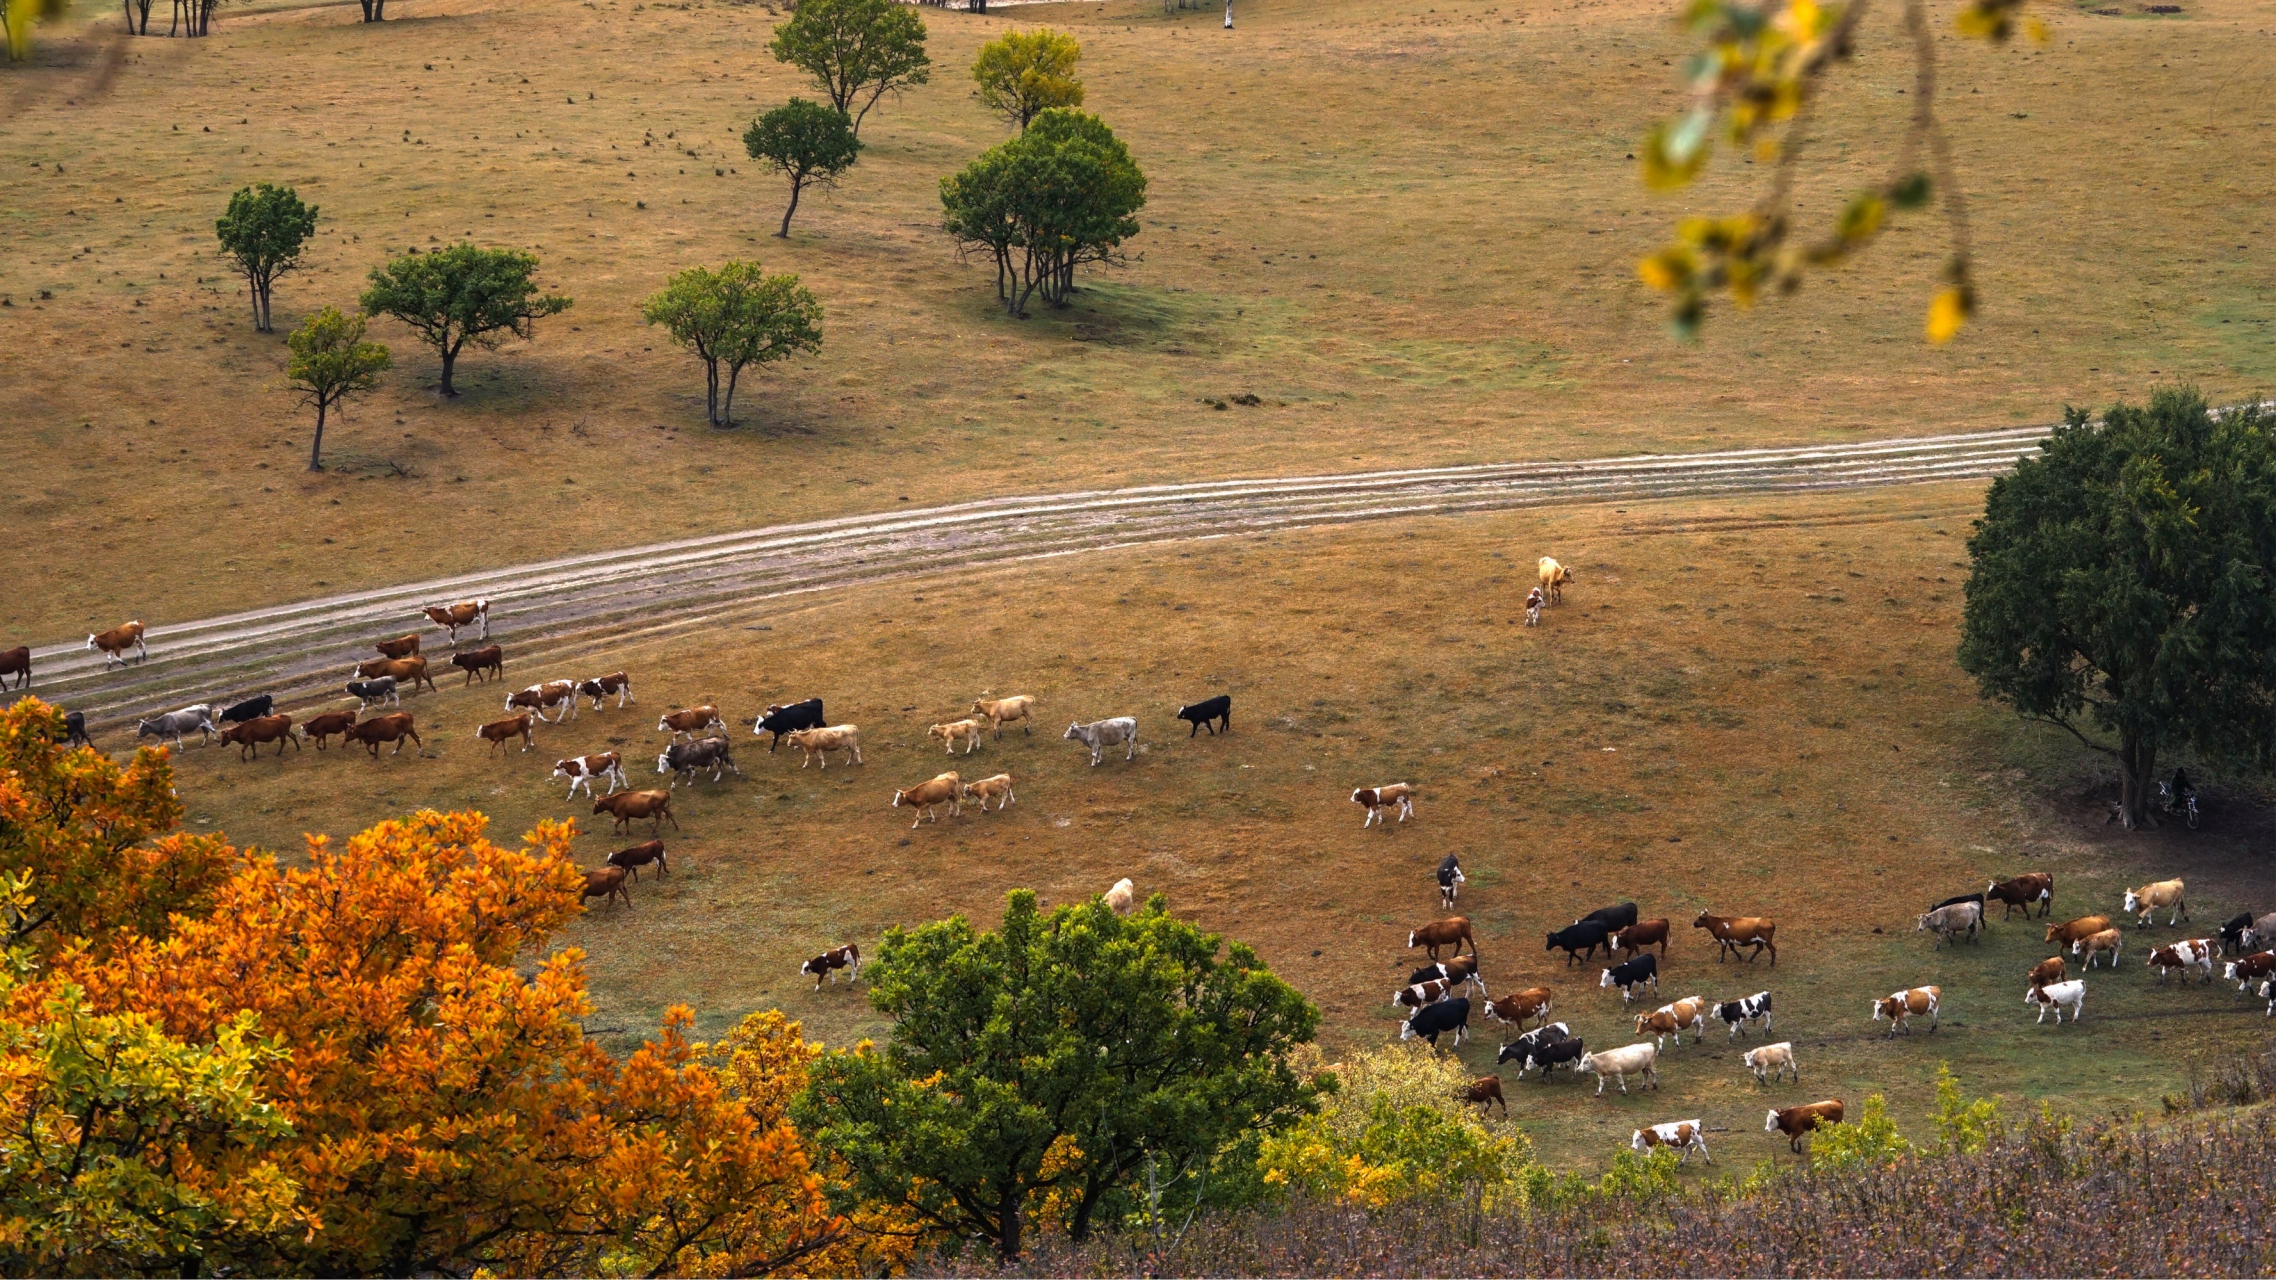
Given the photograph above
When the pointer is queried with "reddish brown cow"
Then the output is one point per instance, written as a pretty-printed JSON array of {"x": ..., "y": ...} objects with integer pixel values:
[
  {"x": 552, "y": 693},
  {"x": 826, "y": 965},
  {"x": 1642, "y": 936},
  {"x": 324, "y": 726},
  {"x": 627, "y": 806},
  {"x": 600, "y": 687},
  {"x": 1452, "y": 931},
  {"x": 2070, "y": 931},
  {"x": 16, "y": 662},
  {"x": 2022, "y": 891},
  {"x": 399, "y": 647},
  {"x": 411, "y": 671},
  {"x": 1734, "y": 932},
  {"x": 640, "y": 855},
  {"x": 1796, "y": 1121},
  {"x": 115, "y": 642},
  {"x": 464, "y": 613},
  {"x": 250, "y": 734},
  {"x": 1486, "y": 1091},
  {"x": 2046, "y": 971},
  {"x": 394, "y": 727},
  {"x": 1533, "y": 1002},
  {"x": 941, "y": 789},
  {"x": 607, "y": 882},
  {"x": 500, "y": 732},
  {"x": 481, "y": 663},
  {"x": 690, "y": 722}
]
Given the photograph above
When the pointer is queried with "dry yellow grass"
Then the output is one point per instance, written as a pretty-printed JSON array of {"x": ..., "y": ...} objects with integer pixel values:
[{"x": 1408, "y": 225}]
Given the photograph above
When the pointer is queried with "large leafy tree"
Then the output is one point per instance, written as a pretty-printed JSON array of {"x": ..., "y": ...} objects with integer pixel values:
[
  {"x": 330, "y": 362},
  {"x": 262, "y": 234},
  {"x": 2123, "y": 587},
  {"x": 1035, "y": 1069},
  {"x": 1022, "y": 74},
  {"x": 732, "y": 318},
  {"x": 462, "y": 294},
  {"x": 810, "y": 143},
  {"x": 857, "y": 50},
  {"x": 1063, "y": 194}
]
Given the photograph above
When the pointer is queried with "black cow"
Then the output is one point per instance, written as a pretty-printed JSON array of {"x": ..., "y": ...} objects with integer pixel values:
[
  {"x": 1432, "y": 1021},
  {"x": 2232, "y": 934},
  {"x": 780, "y": 720},
  {"x": 1735, "y": 1014},
  {"x": 1631, "y": 974},
  {"x": 249, "y": 709},
  {"x": 1614, "y": 919},
  {"x": 75, "y": 729},
  {"x": 1579, "y": 941},
  {"x": 1543, "y": 1054},
  {"x": 1450, "y": 881},
  {"x": 1201, "y": 713},
  {"x": 1976, "y": 898},
  {"x": 683, "y": 759}
]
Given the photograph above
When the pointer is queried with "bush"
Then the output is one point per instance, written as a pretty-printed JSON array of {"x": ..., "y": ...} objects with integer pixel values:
[{"x": 1394, "y": 1130}]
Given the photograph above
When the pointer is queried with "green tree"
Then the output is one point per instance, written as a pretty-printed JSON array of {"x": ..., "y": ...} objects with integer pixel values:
[
  {"x": 812, "y": 144},
  {"x": 1867, "y": 1140},
  {"x": 2123, "y": 582},
  {"x": 1034, "y": 1070},
  {"x": 1024, "y": 73},
  {"x": 1060, "y": 195},
  {"x": 262, "y": 235},
  {"x": 330, "y": 362},
  {"x": 857, "y": 50},
  {"x": 459, "y": 295},
  {"x": 733, "y": 317}
]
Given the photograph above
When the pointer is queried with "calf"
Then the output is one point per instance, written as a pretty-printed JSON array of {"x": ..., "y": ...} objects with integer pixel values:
[
  {"x": 1636, "y": 1059},
  {"x": 1689, "y": 1013},
  {"x": 1098, "y": 735},
  {"x": 1485, "y": 1090},
  {"x": 607, "y": 882},
  {"x": 2143, "y": 903},
  {"x": 690, "y": 722},
  {"x": 1533, "y": 602},
  {"x": 465, "y": 613},
  {"x": 1457, "y": 971},
  {"x": 500, "y": 732},
  {"x": 2191, "y": 953},
  {"x": 1685, "y": 1136},
  {"x": 781, "y": 720},
  {"x": 656, "y": 806},
  {"x": 411, "y": 670},
  {"x": 250, "y": 709},
  {"x": 997, "y": 788},
  {"x": 2109, "y": 942},
  {"x": 1435, "y": 1020},
  {"x": 1733, "y": 932},
  {"x": 377, "y": 692},
  {"x": 1637, "y": 937},
  {"x": 250, "y": 734},
  {"x": 942, "y": 789},
  {"x": 966, "y": 731},
  {"x": 2070, "y": 931},
  {"x": 552, "y": 693},
  {"x": 17, "y": 662},
  {"x": 2051, "y": 969},
  {"x": 1533, "y": 1002},
  {"x": 600, "y": 687},
  {"x": 114, "y": 643},
  {"x": 1554, "y": 576},
  {"x": 1632, "y": 973},
  {"x": 847, "y": 957},
  {"x": 640, "y": 855},
  {"x": 1450, "y": 881},
  {"x": 1772, "y": 1061},
  {"x": 321, "y": 727},
  {"x": 2058, "y": 996},
  {"x": 75, "y": 729},
  {"x": 2252, "y": 969},
  {"x": 1900, "y": 1008},
  {"x": 1380, "y": 801},
  {"x": 481, "y": 664},
  {"x": 1797, "y": 1121},
  {"x": 402, "y": 646},
  {"x": 2233, "y": 933},
  {"x": 1002, "y": 711},
  {"x": 1735, "y": 1014},
  {"x": 1207, "y": 712},
  {"x": 1950, "y": 922},
  {"x": 1420, "y": 994},
  {"x": 1579, "y": 941},
  {"x": 2024, "y": 890},
  {"x": 819, "y": 743},
  {"x": 1452, "y": 931},
  {"x": 1547, "y": 1053},
  {"x": 393, "y": 727},
  {"x": 684, "y": 759},
  {"x": 1612, "y": 918},
  {"x": 582, "y": 770},
  {"x": 177, "y": 723}
]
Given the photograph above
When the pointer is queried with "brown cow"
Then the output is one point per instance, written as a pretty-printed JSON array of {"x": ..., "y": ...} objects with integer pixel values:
[
  {"x": 825, "y": 965},
  {"x": 2022, "y": 891},
  {"x": 640, "y": 855},
  {"x": 2070, "y": 931},
  {"x": 1380, "y": 801},
  {"x": 410, "y": 671},
  {"x": 607, "y": 882},
  {"x": 2051, "y": 969},
  {"x": 1734, "y": 932},
  {"x": 1533, "y": 1002},
  {"x": 464, "y": 613},
  {"x": 552, "y": 693},
  {"x": 480, "y": 663},
  {"x": 599, "y": 687},
  {"x": 115, "y": 642},
  {"x": 1641, "y": 936},
  {"x": 690, "y": 722},
  {"x": 16, "y": 662},
  {"x": 500, "y": 732},
  {"x": 324, "y": 726},
  {"x": 1796, "y": 1121},
  {"x": 628, "y": 806},
  {"x": 393, "y": 727},
  {"x": 945, "y": 788},
  {"x": 400, "y": 647},
  {"x": 1900, "y": 1006},
  {"x": 1453, "y": 930},
  {"x": 250, "y": 734},
  {"x": 1486, "y": 1091}
]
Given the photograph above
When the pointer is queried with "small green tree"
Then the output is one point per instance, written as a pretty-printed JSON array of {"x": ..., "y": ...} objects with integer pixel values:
[
  {"x": 459, "y": 295},
  {"x": 1060, "y": 195},
  {"x": 1036, "y": 1069},
  {"x": 330, "y": 362},
  {"x": 1962, "y": 1127},
  {"x": 812, "y": 144},
  {"x": 262, "y": 234},
  {"x": 733, "y": 317},
  {"x": 1868, "y": 1139},
  {"x": 857, "y": 50},
  {"x": 2124, "y": 581},
  {"x": 1024, "y": 73}
]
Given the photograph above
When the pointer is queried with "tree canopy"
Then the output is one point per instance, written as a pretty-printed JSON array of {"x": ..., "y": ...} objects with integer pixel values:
[
  {"x": 1060, "y": 195},
  {"x": 461, "y": 294},
  {"x": 2122, "y": 586},
  {"x": 857, "y": 50},
  {"x": 1024, "y": 73},
  {"x": 732, "y": 318},
  {"x": 1033, "y": 1070},
  {"x": 262, "y": 233},
  {"x": 810, "y": 143},
  {"x": 330, "y": 362}
]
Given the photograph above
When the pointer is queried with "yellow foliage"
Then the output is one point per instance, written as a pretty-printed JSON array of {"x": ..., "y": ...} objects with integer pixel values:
[
  {"x": 1948, "y": 311},
  {"x": 1396, "y": 1129}
]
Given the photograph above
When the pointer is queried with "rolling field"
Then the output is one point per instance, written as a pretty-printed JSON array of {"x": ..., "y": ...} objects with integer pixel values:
[
  {"x": 1747, "y": 706},
  {"x": 1407, "y": 227}
]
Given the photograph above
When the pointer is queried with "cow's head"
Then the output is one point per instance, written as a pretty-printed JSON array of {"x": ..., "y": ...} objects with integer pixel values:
[
  {"x": 1073, "y": 731},
  {"x": 1770, "y": 1125}
]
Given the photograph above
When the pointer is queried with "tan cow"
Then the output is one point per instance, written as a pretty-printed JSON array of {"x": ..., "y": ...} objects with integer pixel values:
[
  {"x": 607, "y": 882},
  {"x": 1123, "y": 897},
  {"x": 260, "y": 729},
  {"x": 1452, "y": 931},
  {"x": 2051, "y": 969},
  {"x": 2143, "y": 903},
  {"x": 1733, "y": 932},
  {"x": 1902, "y": 1006},
  {"x": 965, "y": 731},
  {"x": 819, "y": 743},
  {"x": 2070, "y": 931},
  {"x": 464, "y": 613},
  {"x": 941, "y": 789},
  {"x": 1002, "y": 711},
  {"x": 1380, "y": 801},
  {"x": 410, "y": 671},
  {"x": 2105, "y": 942},
  {"x": 627, "y": 806},
  {"x": 400, "y": 647},
  {"x": 998, "y": 788},
  {"x": 500, "y": 732},
  {"x": 115, "y": 642},
  {"x": 1554, "y": 576}
]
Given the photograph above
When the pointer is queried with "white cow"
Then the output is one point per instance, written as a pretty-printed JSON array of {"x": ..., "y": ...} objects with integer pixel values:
[
  {"x": 1636, "y": 1059},
  {"x": 1098, "y": 735},
  {"x": 1771, "y": 1061},
  {"x": 1685, "y": 1136},
  {"x": 2058, "y": 996}
]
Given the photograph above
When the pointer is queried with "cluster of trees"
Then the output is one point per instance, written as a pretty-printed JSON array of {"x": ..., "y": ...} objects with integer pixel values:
[
  {"x": 1065, "y": 192},
  {"x": 857, "y": 51}
]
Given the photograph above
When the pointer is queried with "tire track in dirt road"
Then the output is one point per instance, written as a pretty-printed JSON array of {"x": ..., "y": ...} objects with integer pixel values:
[{"x": 559, "y": 606}]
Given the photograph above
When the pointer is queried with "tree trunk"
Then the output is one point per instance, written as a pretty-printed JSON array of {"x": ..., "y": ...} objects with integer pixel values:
[
  {"x": 727, "y": 410},
  {"x": 316, "y": 447},
  {"x": 1010, "y": 1244},
  {"x": 795, "y": 184},
  {"x": 268, "y": 323},
  {"x": 2137, "y": 780},
  {"x": 450, "y": 362},
  {"x": 253, "y": 294},
  {"x": 711, "y": 390}
]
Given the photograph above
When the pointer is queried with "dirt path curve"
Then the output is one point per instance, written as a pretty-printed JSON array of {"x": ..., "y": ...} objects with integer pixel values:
[{"x": 572, "y": 605}]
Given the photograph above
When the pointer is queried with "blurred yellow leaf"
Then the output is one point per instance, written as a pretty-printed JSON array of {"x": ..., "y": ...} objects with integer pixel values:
[{"x": 1947, "y": 312}]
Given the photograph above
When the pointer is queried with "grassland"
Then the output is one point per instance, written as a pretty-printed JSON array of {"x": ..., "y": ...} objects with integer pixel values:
[
  {"x": 1746, "y": 706},
  {"x": 1407, "y": 225}
]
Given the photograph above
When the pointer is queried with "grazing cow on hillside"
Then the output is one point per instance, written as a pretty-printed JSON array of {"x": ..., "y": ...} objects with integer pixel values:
[
  {"x": 2104, "y": 942},
  {"x": 1554, "y": 576},
  {"x": 374, "y": 693},
  {"x": 2051, "y": 969},
  {"x": 1098, "y": 735},
  {"x": 607, "y": 882},
  {"x": 582, "y": 770},
  {"x": 115, "y": 642},
  {"x": 1772, "y": 1061},
  {"x": 1433, "y": 1021},
  {"x": 75, "y": 729},
  {"x": 1208, "y": 711},
  {"x": 1380, "y": 801},
  {"x": 600, "y": 687},
  {"x": 640, "y": 855},
  {"x": 552, "y": 693},
  {"x": 819, "y": 743},
  {"x": 500, "y": 732},
  {"x": 781, "y": 720},
  {"x": 1517, "y": 1008},
  {"x": 177, "y": 723},
  {"x": 402, "y": 646},
  {"x": 1450, "y": 881},
  {"x": 690, "y": 722},
  {"x": 1902, "y": 1006},
  {"x": 1735, "y": 1014},
  {"x": 966, "y": 731},
  {"x": 1579, "y": 941},
  {"x": 2191, "y": 953},
  {"x": 656, "y": 806},
  {"x": 481, "y": 664},
  {"x": 683, "y": 760},
  {"x": 465, "y": 613},
  {"x": 826, "y": 965},
  {"x": 16, "y": 662},
  {"x": 1458, "y": 971},
  {"x": 1452, "y": 931},
  {"x": 1641, "y": 935},
  {"x": 1632, "y": 973},
  {"x": 941, "y": 789},
  {"x": 2058, "y": 996},
  {"x": 325, "y": 725},
  {"x": 1734, "y": 932},
  {"x": 250, "y": 734},
  {"x": 393, "y": 727},
  {"x": 1689, "y": 1013},
  {"x": 1948, "y": 923},
  {"x": 1636, "y": 1059},
  {"x": 997, "y": 788},
  {"x": 1685, "y": 1136},
  {"x": 2070, "y": 931},
  {"x": 2143, "y": 903},
  {"x": 999, "y": 712},
  {"x": 1797, "y": 1121},
  {"x": 411, "y": 671},
  {"x": 1486, "y": 1091},
  {"x": 2024, "y": 890}
]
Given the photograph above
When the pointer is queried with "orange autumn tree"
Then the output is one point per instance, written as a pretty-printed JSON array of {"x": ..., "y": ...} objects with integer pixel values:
[{"x": 418, "y": 1091}]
